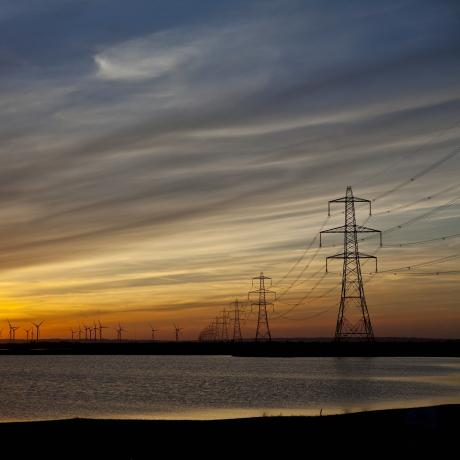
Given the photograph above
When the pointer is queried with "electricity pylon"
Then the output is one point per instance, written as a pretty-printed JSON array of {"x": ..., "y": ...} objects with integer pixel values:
[
  {"x": 225, "y": 336},
  {"x": 263, "y": 328},
  {"x": 153, "y": 332},
  {"x": 237, "y": 336},
  {"x": 353, "y": 320},
  {"x": 177, "y": 331}
]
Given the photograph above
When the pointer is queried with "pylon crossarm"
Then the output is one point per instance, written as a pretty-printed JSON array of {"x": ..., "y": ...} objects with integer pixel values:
[
  {"x": 338, "y": 200},
  {"x": 336, "y": 256},
  {"x": 341, "y": 229},
  {"x": 368, "y": 256}
]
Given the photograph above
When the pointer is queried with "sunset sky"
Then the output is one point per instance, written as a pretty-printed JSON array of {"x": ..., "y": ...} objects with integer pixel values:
[{"x": 157, "y": 155}]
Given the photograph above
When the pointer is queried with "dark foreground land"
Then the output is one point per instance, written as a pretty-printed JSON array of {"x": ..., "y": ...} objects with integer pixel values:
[
  {"x": 382, "y": 347},
  {"x": 398, "y": 432}
]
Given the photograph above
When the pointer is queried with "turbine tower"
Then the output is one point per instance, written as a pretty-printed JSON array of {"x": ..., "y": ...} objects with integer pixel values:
[
  {"x": 263, "y": 328},
  {"x": 101, "y": 326},
  {"x": 119, "y": 332},
  {"x": 86, "y": 328},
  {"x": 13, "y": 330},
  {"x": 353, "y": 321},
  {"x": 37, "y": 327}
]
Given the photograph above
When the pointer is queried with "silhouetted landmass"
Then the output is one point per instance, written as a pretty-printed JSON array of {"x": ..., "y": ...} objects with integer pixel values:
[
  {"x": 445, "y": 348},
  {"x": 393, "y": 433}
]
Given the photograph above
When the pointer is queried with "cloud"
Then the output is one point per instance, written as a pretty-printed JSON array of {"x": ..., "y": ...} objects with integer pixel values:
[
  {"x": 212, "y": 143},
  {"x": 143, "y": 59}
]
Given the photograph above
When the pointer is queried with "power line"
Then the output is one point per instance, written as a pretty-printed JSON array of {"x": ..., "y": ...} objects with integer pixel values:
[
  {"x": 411, "y": 243},
  {"x": 420, "y": 200},
  {"x": 421, "y": 264},
  {"x": 313, "y": 315},
  {"x": 409, "y": 154},
  {"x": 312, "y": 242},
  {"x": 302, "y": 299},
  {"x": 448, "y": 272},
  {"x": 307, "y": 266},
  {"x": 422, "y": 173},
  {"x": 416, "y": 218}
]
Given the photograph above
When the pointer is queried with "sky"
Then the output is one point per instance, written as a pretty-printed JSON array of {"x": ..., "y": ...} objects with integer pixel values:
[{"x": 158, "y": 155}]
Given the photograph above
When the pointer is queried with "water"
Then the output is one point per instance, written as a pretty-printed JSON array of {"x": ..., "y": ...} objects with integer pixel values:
[{"x": 197, "y": 387}]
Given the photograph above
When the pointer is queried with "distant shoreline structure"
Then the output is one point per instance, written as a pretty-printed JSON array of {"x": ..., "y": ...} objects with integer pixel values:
[{"x": 384, "y": 347}]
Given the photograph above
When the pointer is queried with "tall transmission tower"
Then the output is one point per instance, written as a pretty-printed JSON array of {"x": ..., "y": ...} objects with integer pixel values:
[
  {"x": 237, "y": 336},
  {"x": 263, "y": 328},
  {"x": 225, "y": 321},
  {"x": 353, "y": 321}
]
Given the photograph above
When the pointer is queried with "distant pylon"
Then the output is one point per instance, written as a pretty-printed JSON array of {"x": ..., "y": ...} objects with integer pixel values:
[
  {"x": 225, "y": 336},
  {"x": 237, "y": 336},
  {"x": 263, "y": 328},
  {"x": 177, "y": 331},
  {"x": 153, "y": 332},
  {"x": 353, "y": 320}
]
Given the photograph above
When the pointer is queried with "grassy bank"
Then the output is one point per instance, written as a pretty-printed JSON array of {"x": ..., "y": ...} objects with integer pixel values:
[{"x": 396, "y": 432}]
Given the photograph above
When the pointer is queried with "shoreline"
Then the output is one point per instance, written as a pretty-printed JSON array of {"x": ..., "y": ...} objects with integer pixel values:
[
  {"x": 420, "y": 429},
  {"x": 280, "y": 348}
]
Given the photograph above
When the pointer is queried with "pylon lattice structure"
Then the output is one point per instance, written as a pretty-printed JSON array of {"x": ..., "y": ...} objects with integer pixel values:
[
  {"x": 353, "y": 321},
  {"x": 263, "y": 294},
  {"x": 224, "y": 326},
  {"x": 237, "y": 336}
]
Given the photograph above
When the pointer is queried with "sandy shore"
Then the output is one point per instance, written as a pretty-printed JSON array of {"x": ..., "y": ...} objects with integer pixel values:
[{"x": 393, "y": 432}]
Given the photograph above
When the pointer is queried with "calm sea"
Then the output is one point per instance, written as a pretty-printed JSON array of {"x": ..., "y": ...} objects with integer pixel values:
[{"x": 197, "y": 387}]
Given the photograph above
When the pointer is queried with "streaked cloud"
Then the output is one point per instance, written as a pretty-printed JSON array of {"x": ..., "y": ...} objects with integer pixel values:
[{"x": 164, "y": 162}]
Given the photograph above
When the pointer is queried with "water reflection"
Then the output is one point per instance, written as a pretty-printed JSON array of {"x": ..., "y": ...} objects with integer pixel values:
[{"x": 48, "y": 387}]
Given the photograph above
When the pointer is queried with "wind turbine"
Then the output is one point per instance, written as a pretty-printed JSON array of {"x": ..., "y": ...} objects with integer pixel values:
[
  {"x": 153, "y": 332},
  {"x": 86, "y": 328},
  {"x": 119, "y": 331},
  {"x": 37, "y": 327},
  {"x": 177, "y": 330},
  {"x": 79, "y": 332},
  {"x": 100, "y": 329},
  {"x": 12, "y": 331},
  {"x": 95, "y": 330},
  {"x": 27, "y": 331},
  {"x": 73, "y": 333}
]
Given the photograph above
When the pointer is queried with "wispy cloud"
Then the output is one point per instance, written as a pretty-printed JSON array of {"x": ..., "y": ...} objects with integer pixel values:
[{"x": 204, "y": 148}]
